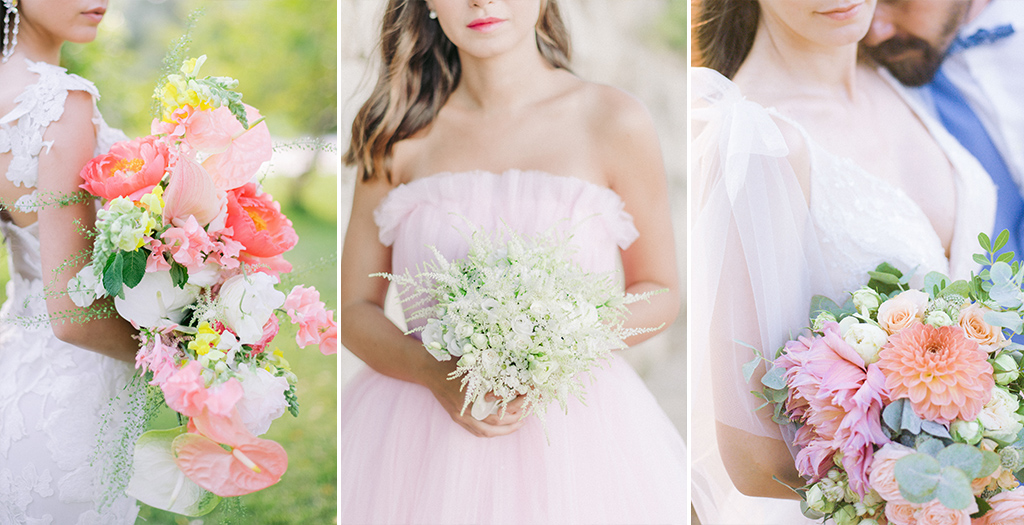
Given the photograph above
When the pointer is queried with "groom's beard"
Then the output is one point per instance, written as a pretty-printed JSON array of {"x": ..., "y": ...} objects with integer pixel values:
[{"x": 911, "y": 60}]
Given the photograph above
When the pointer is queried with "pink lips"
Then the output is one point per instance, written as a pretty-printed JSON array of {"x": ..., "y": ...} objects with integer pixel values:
[
  {"x": 485, "y": 25},
  {"x": 843, "y": 13},
  {"x": 96, "y": 15}
]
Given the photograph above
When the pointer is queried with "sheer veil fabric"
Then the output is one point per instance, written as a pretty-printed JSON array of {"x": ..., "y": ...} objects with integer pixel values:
[{"x": 763, "y": 245}]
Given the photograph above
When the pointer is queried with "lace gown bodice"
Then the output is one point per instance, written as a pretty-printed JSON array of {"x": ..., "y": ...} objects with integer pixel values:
[
  {"x": 762, "y": 247},
  {"x": 67, "y": 421}
]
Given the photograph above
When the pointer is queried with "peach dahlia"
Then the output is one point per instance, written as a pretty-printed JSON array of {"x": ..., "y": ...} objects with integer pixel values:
[{"x": 944, "y": 374}]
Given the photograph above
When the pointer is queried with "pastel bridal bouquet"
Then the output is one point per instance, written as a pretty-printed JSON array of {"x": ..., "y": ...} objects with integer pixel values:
[
  {"x": 190, "y": 249},
  {"x": 907, "y": 403},
  {"x": 521, "y": 318}
]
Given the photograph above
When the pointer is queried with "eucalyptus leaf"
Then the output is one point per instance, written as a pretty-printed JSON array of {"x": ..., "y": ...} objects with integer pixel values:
[
  {"x": 918, "y": 476},
  {"x": 775, "y": 378},
  {"x": 954, "y": 490},
  {"x": 989, "y": 463},
  {"x": 935, "y": 280},
  {"x": 750, "y": 367},
  {"x": 778, "y": 396},
  {"x": 964, "y": 457},
  {"x": 1009, "y": 319},
  {"x": 929, "y": 445}
]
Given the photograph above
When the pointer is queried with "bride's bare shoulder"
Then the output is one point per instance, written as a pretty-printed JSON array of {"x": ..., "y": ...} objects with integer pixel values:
[{"x": 14, "y": 78}]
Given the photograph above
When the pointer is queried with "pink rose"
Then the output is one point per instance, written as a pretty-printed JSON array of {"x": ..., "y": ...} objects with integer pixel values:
[
  {"x": 901, "y": 311},
  {"x": 883, "y": 475},
  {"x": 131, "y": 169},
  {"x": 972, "y": 320},
  {"x": 902, "y": 513},
  {"x": 1007, "y": 509},
  {"x": 935, "y": 513}
]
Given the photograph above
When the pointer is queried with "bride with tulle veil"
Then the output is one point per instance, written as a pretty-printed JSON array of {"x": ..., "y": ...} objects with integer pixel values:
[{"x": 810, "y": 167}]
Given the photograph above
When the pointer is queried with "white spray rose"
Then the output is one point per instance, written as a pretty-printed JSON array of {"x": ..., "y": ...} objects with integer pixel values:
[
  {"x": 999, "y": 416},
  {"x": 246, "y": 303},
  {"x": 866, "y": 339}
]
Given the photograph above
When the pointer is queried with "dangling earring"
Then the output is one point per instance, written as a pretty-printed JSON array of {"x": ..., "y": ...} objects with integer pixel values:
[
  {"x": 432, "y": 14},
  {"x": 10, "y": 32}
]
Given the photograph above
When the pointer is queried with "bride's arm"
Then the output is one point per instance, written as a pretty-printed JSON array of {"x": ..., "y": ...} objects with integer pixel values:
[
  {"x": 62, "y": 244},
  {"x": 636, "y": 172},
  {"x": 367, "y": 333}
]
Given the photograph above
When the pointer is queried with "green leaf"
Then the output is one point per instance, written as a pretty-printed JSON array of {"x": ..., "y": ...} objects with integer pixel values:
[
  {"x": 931, "y": 446},
  {"x": 112, "y": 275},
  {"x": 179, "y": 274},
  {"x": 935, "y": 280},
  {"x": 989, "y": 463},
  {"x": 1006, "y": 257},
  {"x": 980, "y": 259},
  {"x": 918, "y": 476},
  {"x": 954, "y": 490},
  {"x": 134, "y": 267},
  {"x": 750, "y": 367},
  {"x": 910, "y": 420},
  {"x": 775, "y": 379},
  {"x": 778, "y": 396},
  {"x": 986, "y": 244},
  {"x": 885, "y": 278},
  {"x": 964, "y": 457},
  {"x": 961, "y": 288},
  {"x": 983, "y": 507},
  {"x": 893, "y": 414},
  {"x": 1010, "y": 319},
  {"x": 1001, "y": 240},
  {"x": 935, "y": 429}
]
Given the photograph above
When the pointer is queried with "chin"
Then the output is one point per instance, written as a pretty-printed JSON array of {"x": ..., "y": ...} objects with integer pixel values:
[{"x": 81, "y": 35}]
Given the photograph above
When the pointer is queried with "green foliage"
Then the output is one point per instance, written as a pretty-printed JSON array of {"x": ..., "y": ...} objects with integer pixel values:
[{"x": 944, "y": 473}]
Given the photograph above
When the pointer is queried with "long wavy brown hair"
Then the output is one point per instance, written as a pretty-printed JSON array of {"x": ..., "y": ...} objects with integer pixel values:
[
  {"x": 419, "y": 70},
  {"x": 724, "y": 33}
]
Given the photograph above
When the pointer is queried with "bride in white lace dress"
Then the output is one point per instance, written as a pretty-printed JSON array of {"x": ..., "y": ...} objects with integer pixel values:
[
  {"x": 810, "y": 168},
  {"x": 63, "y": 402}
]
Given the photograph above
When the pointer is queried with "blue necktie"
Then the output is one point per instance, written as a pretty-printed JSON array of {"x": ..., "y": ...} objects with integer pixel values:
[{"x": 963, "y": 123}]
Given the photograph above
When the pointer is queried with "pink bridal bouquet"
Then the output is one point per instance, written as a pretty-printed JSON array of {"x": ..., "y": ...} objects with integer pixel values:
[
  {"x": 907, "y": 403},
  {"x": 190, "y": 249}
]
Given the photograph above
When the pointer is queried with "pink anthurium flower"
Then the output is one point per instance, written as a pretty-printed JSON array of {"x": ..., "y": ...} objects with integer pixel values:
[
  {"x": 236, "y": 153},
  {"x": 191, "y": 191},
  {"x": 224, "y": 458}
]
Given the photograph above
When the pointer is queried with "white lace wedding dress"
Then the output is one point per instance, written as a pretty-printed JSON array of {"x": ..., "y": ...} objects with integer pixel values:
[
  {"x": 64, "y": 411},
  {"x": 761, "y": 250}
]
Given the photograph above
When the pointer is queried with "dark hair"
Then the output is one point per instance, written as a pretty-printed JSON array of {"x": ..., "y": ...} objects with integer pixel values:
[
  {"x": 419, "y": 70},
  {"x": 725, "y": 33}
]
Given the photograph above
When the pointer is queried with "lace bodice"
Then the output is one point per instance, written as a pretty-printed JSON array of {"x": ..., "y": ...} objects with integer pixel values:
[{"x": 67, "y": 419}]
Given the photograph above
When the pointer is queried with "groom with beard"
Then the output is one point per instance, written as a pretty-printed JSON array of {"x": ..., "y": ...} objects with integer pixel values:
[{"x": 967, "y": 59}]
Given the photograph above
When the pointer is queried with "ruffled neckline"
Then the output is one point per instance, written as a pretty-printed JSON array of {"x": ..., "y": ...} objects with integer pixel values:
[{"x": 598, "y": 199}]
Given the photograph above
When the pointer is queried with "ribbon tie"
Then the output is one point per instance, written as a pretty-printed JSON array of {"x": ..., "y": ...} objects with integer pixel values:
[{"x": 981, "y": 37}]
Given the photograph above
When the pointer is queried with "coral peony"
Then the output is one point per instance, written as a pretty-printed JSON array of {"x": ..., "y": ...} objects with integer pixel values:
[
  {"x": 130, "y": 169},
  {"x": 257, "y": 222},
  {"x": 944, "y": 374}
]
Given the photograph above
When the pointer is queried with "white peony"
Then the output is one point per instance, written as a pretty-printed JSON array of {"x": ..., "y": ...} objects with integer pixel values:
[
  {"x": 246, "y": 303},
  {"x": 155, "y": 301},
  {"x": 263, "y": 399},
  {"x": 999, "y": 416}
]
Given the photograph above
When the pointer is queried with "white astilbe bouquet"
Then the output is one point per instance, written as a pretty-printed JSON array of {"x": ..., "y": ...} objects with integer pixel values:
[{"x": 522, "y": 318}]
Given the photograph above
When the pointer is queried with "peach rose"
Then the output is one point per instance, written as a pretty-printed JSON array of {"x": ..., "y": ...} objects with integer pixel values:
[
  {"x": 972, "y": 320},
  {"x": 901, "y": 311},
  {"x": 1007, "y": 508},
  {"x": 883, "y": 471},
  {"x": 902, "y": 513},
  {"x": 935, "y": 513}
]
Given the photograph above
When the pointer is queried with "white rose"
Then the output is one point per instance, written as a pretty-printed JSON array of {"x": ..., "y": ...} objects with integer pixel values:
[
  {"x": 246, "y": 303},
  {"x": 522, "y": 326},
  {"x": 865, "y": 300},
  {"x": 489, "y": 361},
  {"x": 85, "y": 287},
  {"x": 262, "y": 399},
  {"x": 156, "y": 302},
  {"x": 866, "y": 339},
  {"x": 999, "y": 416}
]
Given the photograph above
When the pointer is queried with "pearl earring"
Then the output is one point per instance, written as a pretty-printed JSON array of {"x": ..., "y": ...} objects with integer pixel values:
[
  {"x": 10, "y": 32},
  {"x": 433, "y": 14}
]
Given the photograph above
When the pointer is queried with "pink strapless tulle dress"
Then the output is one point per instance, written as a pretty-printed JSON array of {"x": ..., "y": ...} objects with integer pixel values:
[{"x": 617, "y": 459}]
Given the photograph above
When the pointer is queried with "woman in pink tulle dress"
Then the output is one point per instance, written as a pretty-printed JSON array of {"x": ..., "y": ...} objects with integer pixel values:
[{"x": 476, "y": 117}]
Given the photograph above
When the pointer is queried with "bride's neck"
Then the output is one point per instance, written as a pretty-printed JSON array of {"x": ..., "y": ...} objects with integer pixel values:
[
  {"x": 37, "y": 47},
  {"x": 502, "y": 83},
  {"x": 784, "y": 63}
]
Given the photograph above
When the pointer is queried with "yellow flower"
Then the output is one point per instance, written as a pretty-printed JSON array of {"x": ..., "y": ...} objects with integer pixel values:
[
  {"x": 206, "y": 338},
  {"x": 154, "y": 200}
]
